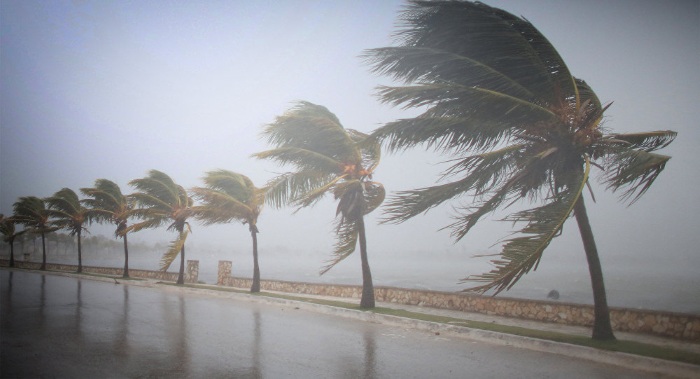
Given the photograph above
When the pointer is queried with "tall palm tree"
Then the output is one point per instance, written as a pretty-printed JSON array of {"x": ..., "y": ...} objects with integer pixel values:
[
  {"x": 328, "y": 159},
  {"x": 498, "y": 96},
  {"x": 160, "y": 200},
  {"x": 67, "y": 212},
  {"x": 231, "y": 196},
  {"x": 8, "y": 230},
  {"x": 31, "y": 212},
  {"x": 109, "y": 204}
]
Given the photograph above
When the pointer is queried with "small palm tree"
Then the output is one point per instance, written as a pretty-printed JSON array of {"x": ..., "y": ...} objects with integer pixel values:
[
  {"x": 498, "y": 96},
  {"x": 328, "y": 159},
  {"x": 31, "y": 212},
  {"x": 160, "y": 200},
  {"x": 109, "y": 204},
  {"x": 67, "y": 212},
  {"x": 7, "y": 229},
  {"x": 231, "y": 196}
]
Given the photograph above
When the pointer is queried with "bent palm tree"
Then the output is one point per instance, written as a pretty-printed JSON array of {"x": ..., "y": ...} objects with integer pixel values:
[
  {"x": 160, "y": 200},
  {"x": 7, "y": 229},
  {"x": 67, "y": 213},
  {"x": 31, "y": 212},
  {"x": 499, "y": 97},
  {"x": 109, "y": 204},
  {"x": 231, "y": 196},
  {"x": 328, "y": 159}
]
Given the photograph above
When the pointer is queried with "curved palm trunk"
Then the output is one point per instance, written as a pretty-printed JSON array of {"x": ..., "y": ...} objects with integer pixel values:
[
  {"x": 43, "y": 251},
  {"x": 367, "y": 300},
  {"x": 256, "y": 268},
  {"x": 602, "y": 329},
  {"x": 80, "y": 254},
  {"x": 12, "y": 253},
  {"x": 126, "y": 258},
  {"x": 181, "y": 276}
]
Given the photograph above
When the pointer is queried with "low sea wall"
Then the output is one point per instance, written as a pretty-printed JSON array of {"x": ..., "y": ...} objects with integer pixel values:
[
  {"x": 666, "y": 324},
  {"x": 191, "y": 270}
]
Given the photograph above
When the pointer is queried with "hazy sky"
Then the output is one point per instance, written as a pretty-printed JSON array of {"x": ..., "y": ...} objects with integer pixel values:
[{"x": 111, "y": 89}]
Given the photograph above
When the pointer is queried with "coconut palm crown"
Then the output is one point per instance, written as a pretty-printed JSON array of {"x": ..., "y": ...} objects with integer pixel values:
[
  {"x": 31, "y": 212},
  {"x": 68, "y": 213},
  {"x": 230, "y": 196},
  {"x": 9, "y": 232},
  {"x": 159, "y": 200},
  {"x": 328, "y": 159},
  {"x": 498, "y": 97},
  {"x": 108, "y": 204}
]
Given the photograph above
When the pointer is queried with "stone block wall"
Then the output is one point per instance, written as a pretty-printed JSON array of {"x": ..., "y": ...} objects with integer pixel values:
[
  {"x": 666, "y": 324},
  {"x": 191, "y": 271}
]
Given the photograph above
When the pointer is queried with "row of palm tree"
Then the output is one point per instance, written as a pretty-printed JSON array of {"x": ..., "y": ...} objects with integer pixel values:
[{"x": 495, "y": 95}]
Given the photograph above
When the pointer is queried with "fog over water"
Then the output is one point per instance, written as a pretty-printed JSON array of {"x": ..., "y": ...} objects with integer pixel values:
[{"x": 97, "y": 89}]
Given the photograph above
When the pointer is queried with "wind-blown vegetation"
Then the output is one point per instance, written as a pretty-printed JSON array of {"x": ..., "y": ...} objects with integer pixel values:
[
  {"x": 499, "y": 98},
  {"x": 328, "y": 159}
]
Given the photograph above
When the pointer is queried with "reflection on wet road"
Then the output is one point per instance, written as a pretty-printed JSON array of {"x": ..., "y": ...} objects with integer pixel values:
[{"x": 66, "y": 327}]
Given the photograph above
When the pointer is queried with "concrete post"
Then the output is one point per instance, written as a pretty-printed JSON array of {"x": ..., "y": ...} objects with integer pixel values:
[
  {"x": 192, "y": 274},
  {"x": 224, "y": 272}
]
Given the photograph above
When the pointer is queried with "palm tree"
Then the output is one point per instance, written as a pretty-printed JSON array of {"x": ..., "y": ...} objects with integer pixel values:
[
  {"x": 497, "y": 95},
  {"x": 31, "y": 212},
  {"x": 109, "y": 204},
  {"x": 7, "y": 229},
  {"x": 67, "y": 212},
  {"x": 160, "y": 200},
  {"x": 328, "y": 159},
  {"x": 231, "y": 196}
]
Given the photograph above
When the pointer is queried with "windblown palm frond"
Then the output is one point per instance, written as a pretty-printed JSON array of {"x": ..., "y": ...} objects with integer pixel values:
[
  {"x": 174, "y": 249},
  {"x": 67, "y": 211}
]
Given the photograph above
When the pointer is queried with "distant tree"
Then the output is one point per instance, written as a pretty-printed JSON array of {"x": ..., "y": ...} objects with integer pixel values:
[
  {"x": 498, "y": 96},
  {"x": 230, "y": 196},
  {"x": 7, "y": 229},
  {"x": 110, "y": 205},
  {"x": 68, "y": 213},
  {"x": 31, "y": 212},
  {"x": 159, "y": 200},
  {"x": 328, "y": 159}
]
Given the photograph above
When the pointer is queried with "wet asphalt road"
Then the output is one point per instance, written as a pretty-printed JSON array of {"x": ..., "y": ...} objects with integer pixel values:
[{"x": 63, "y": 327}]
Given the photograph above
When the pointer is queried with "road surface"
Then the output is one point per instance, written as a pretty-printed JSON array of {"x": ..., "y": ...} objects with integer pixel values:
[{"x": 65, "y": 327}]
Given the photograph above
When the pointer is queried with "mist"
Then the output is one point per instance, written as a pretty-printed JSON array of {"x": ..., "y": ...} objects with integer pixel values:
[{"x": 96, "y": 89}]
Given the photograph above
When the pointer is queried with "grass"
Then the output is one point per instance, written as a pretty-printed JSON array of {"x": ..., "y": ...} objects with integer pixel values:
[{"x": 629, "y": 347}]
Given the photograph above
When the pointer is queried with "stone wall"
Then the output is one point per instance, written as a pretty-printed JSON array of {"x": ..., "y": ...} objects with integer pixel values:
[
  {"x": 666, "y": 324},
  {"x": 191, "y": 271}
]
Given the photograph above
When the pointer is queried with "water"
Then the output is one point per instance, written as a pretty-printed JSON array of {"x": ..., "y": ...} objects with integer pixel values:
[{"x": 642, "y": 286}]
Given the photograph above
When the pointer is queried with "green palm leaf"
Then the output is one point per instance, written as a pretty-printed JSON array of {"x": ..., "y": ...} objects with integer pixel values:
[
  {"x": 522, "y": 254},
  {"x": 174, "y": 249}
]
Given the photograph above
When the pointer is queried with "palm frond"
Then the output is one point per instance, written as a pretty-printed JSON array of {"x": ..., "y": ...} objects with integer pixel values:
[
  {"x": 345, "y": 243},
  {"x": 522, "y": 254},
  {"x": 219, "y": 207},
  {"x": 312, "y": 127},
  {"x": 174, "y": 250},
  {"x": 474, "y": 103},
  {"x": 289, "y": 187},
  {"x": 648, "y": 141},
  {"x": 370, "y": 149},
  {"x": 632, "y": 170},
  {"x": 443, "y": 133},
  {"x": 303, "y": 159},
  {"x": 160, "y": 188},
  {"x": 497, "y": 51}
]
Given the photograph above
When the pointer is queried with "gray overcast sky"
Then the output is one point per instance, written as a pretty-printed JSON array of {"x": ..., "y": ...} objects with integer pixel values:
[{"x": 111, "y": 89}]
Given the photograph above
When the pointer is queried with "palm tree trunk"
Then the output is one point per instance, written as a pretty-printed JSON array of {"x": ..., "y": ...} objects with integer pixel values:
[
  {"x": 181, "y": 276},
  {"x": 43, "y": 251},
  {"x": 256, "y": 268},
  {"x": 126, "y": 259},
  {"x": 80, "y": 254},
  {"x": 602, "y": 329},
  {"x": 12, "y": 253},
  {"x": 367, "y": 300}
]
